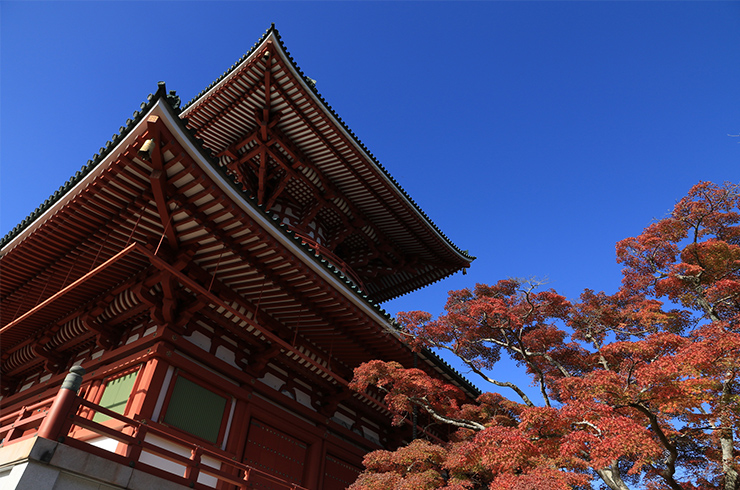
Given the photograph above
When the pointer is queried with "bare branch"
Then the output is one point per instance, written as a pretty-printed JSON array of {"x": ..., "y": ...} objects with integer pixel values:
[
  {"x": 670, "y": 461},
  {"x": 466, "y": 424}
]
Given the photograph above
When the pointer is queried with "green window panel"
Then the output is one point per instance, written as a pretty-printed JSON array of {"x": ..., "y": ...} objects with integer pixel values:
[
  {"x": 195, "y": 409},
  {"x": 116, "y": 394}
]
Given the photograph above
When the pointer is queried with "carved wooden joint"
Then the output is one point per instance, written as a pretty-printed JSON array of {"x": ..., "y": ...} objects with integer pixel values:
[{"x": 261, "y": 357}]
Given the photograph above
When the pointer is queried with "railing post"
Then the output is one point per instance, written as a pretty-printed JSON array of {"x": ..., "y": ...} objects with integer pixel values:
[
  {"x": 54, "y": 425},
  {"x": 15, "y": 431},
  {"x": 246, "y": 478},
  {"x": 133, "y": 451},
  {"x": 192, "y": 470}
]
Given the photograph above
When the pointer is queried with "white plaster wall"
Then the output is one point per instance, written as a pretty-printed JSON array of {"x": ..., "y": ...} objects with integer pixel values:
[{"x": 175, "y": 468}]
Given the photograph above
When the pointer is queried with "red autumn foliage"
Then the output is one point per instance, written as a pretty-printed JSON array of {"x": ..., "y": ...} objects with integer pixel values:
[{"x": 640, "y": 388}]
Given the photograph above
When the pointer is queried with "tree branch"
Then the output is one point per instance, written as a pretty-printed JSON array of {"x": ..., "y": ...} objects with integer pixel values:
[
  {"x": 502, "y": 384},
  {"x": 612, "y": 478},
  {"x": 466, "y": 424},
  {"x": 670, "y": 461}
]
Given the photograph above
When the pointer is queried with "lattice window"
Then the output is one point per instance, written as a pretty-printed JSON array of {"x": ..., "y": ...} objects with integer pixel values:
[
  {"x": 196, "y": 410},
  {"x": 116, "y": 394}
]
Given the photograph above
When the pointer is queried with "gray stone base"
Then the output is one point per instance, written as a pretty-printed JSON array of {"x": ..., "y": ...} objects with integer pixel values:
[{"x": 41, "y": 464}]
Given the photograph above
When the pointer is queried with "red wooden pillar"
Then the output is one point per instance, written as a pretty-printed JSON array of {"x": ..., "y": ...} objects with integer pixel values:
[
  {"x": 237, "y": 436},
  {"x": 143, "y": 400},
  {"x": 239, "y": 429},
  {"x": 147, "y": 389},
  {"x": 57, "y": 422},
  {"x": 314, "y": 463}
]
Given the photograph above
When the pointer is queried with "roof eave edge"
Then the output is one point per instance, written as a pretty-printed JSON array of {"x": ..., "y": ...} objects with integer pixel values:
[
  {"x": 274, "y": 35},
  {"x": 270, "y": 33},
  {"x": 260, "y": 216},
  {"x": 88, "y": 172},
  {"x": 300, "y": 76}
]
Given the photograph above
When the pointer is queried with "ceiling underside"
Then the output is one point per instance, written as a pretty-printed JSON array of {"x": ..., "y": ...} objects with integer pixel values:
[{"x": 263, "y": 117}]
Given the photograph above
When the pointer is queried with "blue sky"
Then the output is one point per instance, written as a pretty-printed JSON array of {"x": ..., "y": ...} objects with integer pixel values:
[{"x": 534, "y": 134}]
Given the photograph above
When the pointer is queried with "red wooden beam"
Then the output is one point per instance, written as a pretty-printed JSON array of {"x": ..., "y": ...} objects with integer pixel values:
[
  {"x": 6, "y": 330},
  {"x": 158, "y": 180}
]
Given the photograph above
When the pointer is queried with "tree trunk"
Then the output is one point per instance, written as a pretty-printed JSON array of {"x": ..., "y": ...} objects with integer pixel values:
[
  {"x": 726, "y": 440},
  {"x": 728, "y": 468},
  {"x": 612, "y": 478}
]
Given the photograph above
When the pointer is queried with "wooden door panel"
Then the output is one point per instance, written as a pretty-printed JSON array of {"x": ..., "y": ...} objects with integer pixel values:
[
  {"x": 275, "y": 452},
  {"x": 338, "y": 474}
]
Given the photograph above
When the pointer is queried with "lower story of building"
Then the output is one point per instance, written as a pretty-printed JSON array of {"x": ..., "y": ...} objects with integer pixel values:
[{"x": 159, "y": 411}]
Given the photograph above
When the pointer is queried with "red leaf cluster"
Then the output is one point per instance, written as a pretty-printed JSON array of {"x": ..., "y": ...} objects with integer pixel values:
[{"x": 640, "y": 387}]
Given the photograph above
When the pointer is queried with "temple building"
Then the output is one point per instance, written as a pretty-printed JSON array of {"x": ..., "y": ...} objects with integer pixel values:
[{"x": 187, "y": 310}]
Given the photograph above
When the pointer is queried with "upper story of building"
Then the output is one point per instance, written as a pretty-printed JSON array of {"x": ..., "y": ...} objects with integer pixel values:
[
  {"x": 264, "y": 127},
  {"x": 229, "y": 254}
]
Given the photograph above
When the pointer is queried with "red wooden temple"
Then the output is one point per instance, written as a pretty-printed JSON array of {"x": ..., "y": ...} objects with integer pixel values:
[{"x": 211, "y": 278}]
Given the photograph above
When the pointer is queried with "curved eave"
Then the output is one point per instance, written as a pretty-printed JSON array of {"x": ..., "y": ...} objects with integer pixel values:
[
  {"x": 96, "y": 165},
  {"x": 270, "y": 223},
  {"x": 24, "y": 228},
  {"x": 458, "y": 257},
  {"x": 159, "y": 102},
  {"x": 345, "y": 284}
]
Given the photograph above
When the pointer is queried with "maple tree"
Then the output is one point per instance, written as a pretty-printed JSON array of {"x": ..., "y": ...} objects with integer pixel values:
[{"x": 639, "y": 388}]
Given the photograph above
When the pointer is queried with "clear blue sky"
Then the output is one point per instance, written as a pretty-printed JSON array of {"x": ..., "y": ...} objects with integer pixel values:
[{"x": 535, "y": 134}]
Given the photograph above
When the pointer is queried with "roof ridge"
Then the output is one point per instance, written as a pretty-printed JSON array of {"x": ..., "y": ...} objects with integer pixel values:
[
  {"x": 88, "y": 167},
  {"x": 233, "y": 67}
]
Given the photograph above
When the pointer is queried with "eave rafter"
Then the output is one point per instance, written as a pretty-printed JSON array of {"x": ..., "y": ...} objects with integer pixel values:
[
  {"x": 261, "y": 353},
  {"x": 263, "y": 264},
  {"x": 54, "y": 339},
  {"x": 126, "y": 203},
  {"x": 157, "y": 194},
  {"x": 338, "y": 312},
  {"x": 158, "y": 176},
  {"x": 268, "y": 143},
  {"x": 203, "y": 113},
  {"x": 270, "y": 160},
  {"x": 331, "y": 147},
  {"x": 80, "y": 254}
]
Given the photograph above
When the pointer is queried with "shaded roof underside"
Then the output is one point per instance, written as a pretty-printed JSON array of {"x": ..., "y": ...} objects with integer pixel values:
[
  {"x": 334, "y": 160},
  {"x": 119, "y": 209},
  {"x": 225, "y": 247}
]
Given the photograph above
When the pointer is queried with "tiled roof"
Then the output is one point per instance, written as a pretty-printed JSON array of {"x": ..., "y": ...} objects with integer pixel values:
[
  {"x": 448, "y": 370},
  {"x": 311, "y": 84},
  {"x": 90, "y": 165},
  {"x": 173, "y": 103}
]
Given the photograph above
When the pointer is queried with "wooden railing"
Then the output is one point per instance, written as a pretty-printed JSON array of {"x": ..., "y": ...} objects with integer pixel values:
[
  {"x": 24, "y": 423},
  {"x": 61, "y": 419}
]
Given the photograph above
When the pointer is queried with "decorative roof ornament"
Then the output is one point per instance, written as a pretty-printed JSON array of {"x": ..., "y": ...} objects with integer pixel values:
[
  {"x": 310, "y": 81},
  {"x": 174, "y": 99}
]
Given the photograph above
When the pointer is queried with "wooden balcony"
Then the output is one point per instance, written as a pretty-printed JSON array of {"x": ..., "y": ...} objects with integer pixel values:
[{"x": 141, "y": 444}]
